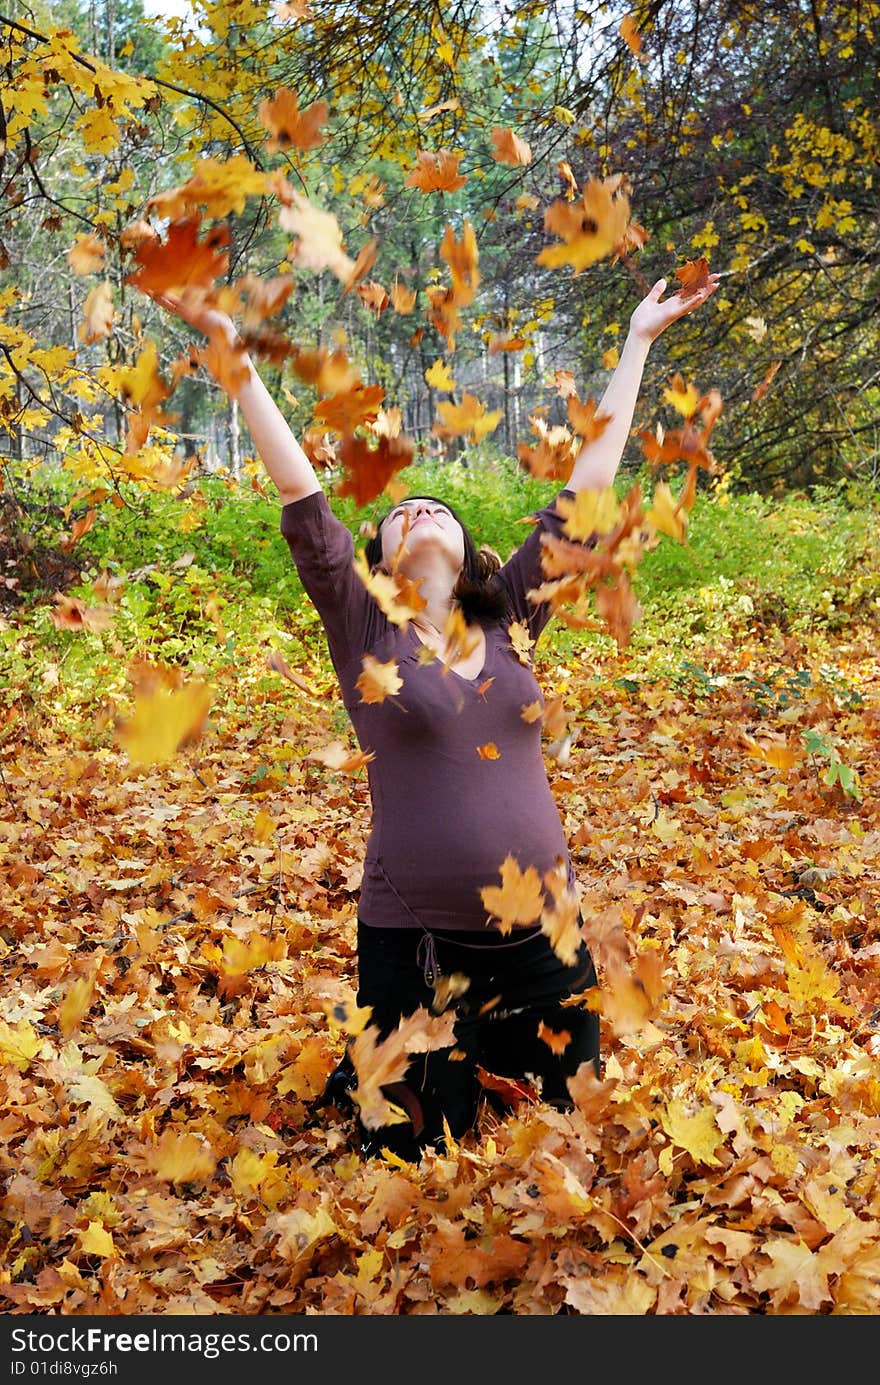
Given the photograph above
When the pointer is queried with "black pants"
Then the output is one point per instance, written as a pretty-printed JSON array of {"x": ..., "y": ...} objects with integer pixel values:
[{"x": 527, "y": 981}]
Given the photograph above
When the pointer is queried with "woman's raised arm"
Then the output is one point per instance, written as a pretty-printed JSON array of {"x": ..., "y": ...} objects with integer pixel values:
[
  {"x": 282, "y": 456},
  {"x": 596, "y": 464}
]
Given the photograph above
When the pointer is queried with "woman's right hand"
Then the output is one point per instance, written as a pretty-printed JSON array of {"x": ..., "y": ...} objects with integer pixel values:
[{"x": 192, "y": 309}]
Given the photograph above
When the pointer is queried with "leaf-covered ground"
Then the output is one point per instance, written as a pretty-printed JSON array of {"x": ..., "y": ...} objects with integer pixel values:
[{"x": 176, "y": 942}]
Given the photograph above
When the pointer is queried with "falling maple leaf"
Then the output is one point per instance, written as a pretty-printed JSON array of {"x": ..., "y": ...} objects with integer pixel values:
[
  {"x": 368, "y": 468},
  {"x": 667, "y": 513},
  {"x": 373, "y": 296},
  {"x": 73, "y": 614},
  {"x": 589, "y": 512},
  {"x": 288, "y": 126},
  {"x": 763, "y": 385},
  {"x": 554, "y": 455},
  {"x": 469, "y": 418},
  {"x": 395, "y": 595},
  {"x": 629, "y": 32},
  {"x": 218, "y": 187},
  {"x": 164, "y": 721},
  {"x": 683, "y": 396},
  {"x": 439, "y": 377},
  {"x": 99, "y": 315},
  {"x": 380, "y": 1063},
  {"x": 318, "y": 242},
  {"x": 567, "y": 176},
  {"x": 519, "y": 898},
  {"x": 489, "y": 751},
  {"x": 509, "y": 148},
  {"x": 619, "y": 608},
  {"x": 521, "y": 641},
  {"x": 87, "y": 254},
  {"x": 346, "y": 410},
  {"x": 337, "y": 756},
  {"x": 556, "y": 1040},
  {"x": 590, "y": 229},
  {"x": 377, "y": 680},
  {"x": 436, "y": 171},
  {"x": 585, "y": 419},
  {"x": 182, "y": 260},
  {"x": 278, "y": 664},
  {"x": 403, "y": 300},
  {"x": 463, "y": 258},
  {"x": 693, "y": 276}
]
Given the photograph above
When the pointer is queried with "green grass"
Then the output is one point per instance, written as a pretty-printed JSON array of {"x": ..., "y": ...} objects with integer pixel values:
[{"x": 227, "y": 590}]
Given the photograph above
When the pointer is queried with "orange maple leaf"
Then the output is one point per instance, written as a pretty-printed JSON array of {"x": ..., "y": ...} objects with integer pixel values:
[
  {"x": 463, "y": 259},
  {"x": 181, "y": 260},
  {"x": 346, "y": 410},
  {"x": 378, "y": 680},
  {"x": 509, "y": 148},
  {"x": 403, "y": 300},
  {"x": 73, "y": 614},
  {"x": 489, "y": 751},
  {"x": 288, "y": 126},
  {"x": 557, "y": 1042},
  {"x": 436, "y": 171},
  {"x": 619, "y": 608},
  {"x": 373, "y": 296},
  {"x": 693, "y": 276},
  {"x": 632, "y": 38},
  {"x": 87, "y": 254},
  {"x": 585, "y": 420},
  {"x": 368, "y": 469}
]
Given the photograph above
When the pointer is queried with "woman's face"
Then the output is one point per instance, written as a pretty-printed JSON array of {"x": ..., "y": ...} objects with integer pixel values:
[{"x": 418, "y": 527}]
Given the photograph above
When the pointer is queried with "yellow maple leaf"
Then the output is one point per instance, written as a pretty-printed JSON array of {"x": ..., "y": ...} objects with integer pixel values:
[
  {"x": 519, "y": 898},
  {"x": 591, "y": 228},
  {"x": 182, "y": 1157},
  {"x": 19, "y": 1045},
  {"x": 378, "y": 680},
  {"x": 165, "y": 721},
  {"x": 75, "y": 1004},
  {"x": 469, "y": 418},
  {"x": 489, "y": 751},
  {"x": 439, "y": 376},
  {"x": 399, "y": 600},
  {"x": 521, "y": 641},
  {"x": 684, "y": 397},
  {"x": 591, "y": 512},
  {"x": 95, "y": 1239},
  {"x": 697, "y": 1133},
  {"x": 667, "y": 513}
]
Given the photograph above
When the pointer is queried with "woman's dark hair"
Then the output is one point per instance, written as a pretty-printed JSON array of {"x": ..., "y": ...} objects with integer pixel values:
[{"x": 479, "y": 592}]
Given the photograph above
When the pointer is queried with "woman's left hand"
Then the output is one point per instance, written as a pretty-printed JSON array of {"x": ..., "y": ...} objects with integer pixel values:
[{"x": 653, "y": 316}]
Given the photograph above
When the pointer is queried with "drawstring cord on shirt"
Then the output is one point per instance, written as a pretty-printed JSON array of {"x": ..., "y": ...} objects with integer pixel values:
[{"x": 426, "y": 953}]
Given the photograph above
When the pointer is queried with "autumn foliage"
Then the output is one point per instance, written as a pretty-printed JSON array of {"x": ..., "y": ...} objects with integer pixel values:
[{"x": 181, "y": 863}]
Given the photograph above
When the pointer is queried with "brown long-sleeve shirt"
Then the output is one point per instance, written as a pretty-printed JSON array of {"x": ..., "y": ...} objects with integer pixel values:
[{"x": 444, "y": 818}]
